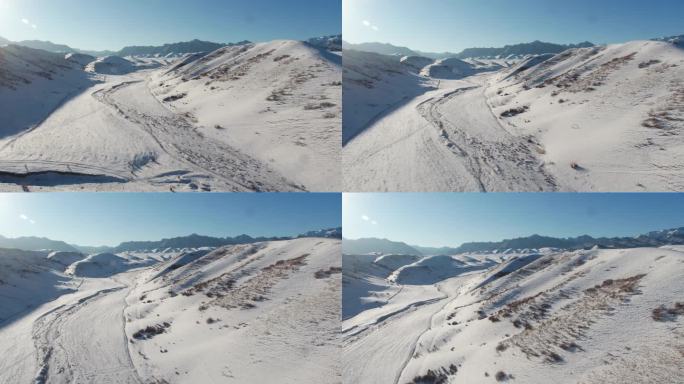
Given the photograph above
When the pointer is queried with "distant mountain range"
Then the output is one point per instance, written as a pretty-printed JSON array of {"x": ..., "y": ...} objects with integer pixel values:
[
  {"x": 331, "y": 42},
  {"x": 533, "y": 48},
  {"x": 371, "y": 245},
  {"x": 35, "y": 244},
  {"x": 652, "y": 239},
  {"x": 191, "y": 241}
]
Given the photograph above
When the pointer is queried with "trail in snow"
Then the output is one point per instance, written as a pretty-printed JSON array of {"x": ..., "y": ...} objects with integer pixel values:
[
  {"x": 84, "y": 341},
  {"x": 116, "y": 135},
  {"x": 443, "y": 140},
  {"x": 176, "y": 135}
]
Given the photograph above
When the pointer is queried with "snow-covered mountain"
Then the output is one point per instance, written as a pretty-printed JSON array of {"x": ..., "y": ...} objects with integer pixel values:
[
  {"x": 374, "y": 84},
  {"x": 196, "y": 316},
  {"x": 276, "y": 99},
  {"x": 521, "y": 317},
  {"x": 32, "y": 84},
  {"x": 597, "y": 118},
  {"x": 250, "y": 117},
  {"x": 209, "y": 316},
  {"x": 601, "y": 118},
  {"x": 80, "y": 58}
]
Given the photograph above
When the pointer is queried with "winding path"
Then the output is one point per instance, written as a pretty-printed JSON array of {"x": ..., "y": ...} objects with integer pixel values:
[
  {"x": 444, "y": 140},
  {"x": 85, "y": 342}
]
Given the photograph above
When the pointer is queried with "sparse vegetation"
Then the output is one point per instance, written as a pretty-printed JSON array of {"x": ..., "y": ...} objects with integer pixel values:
[
  {"x": 175, "y": 97},
  {"x": 515, "y": 111},
  {"x": 323, "y": 274},
  {"x": 322, "y": 105},
  {"x": 647, "y": 64},
  {"x": 664, "y": 313},
  {"x": 151, "y": 331}
]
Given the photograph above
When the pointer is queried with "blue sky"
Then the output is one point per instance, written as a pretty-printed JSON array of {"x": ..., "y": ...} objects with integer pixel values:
[
  {"x": 452, "y": 25},
  {"x": 452, "y": 219},
  {"x": 113, "y": 24},
  {"x": 110, "y": 218}
]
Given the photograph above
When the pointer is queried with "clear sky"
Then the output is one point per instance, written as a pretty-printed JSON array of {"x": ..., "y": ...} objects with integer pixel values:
[
  {"x": 452, "y": 25},
  {"x": 113, "y": 24},
  {"x": 110, "y": 218},
  {"x": 452, "y": 219}
]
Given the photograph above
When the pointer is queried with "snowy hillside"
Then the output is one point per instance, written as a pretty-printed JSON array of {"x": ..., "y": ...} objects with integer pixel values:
[
  {"x": 237, "y": 315},
  {"x": 279, "y": 102},
  {"x": 603, "y": 118},
  {"x": 79, "y": 58},
  {"x": 525, "y": 318},
  {"x": 241, "y": 313},
  {"x": 33, "y": 83},
  {"x": 262, "y": 117},
  {"x": 375, "y": 84},
  {"x": 111, "y": 65}
]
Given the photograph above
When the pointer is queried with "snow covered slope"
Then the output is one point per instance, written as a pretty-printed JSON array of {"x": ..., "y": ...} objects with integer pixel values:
[
  {"x": 33, "y": 83},
  {"x": 589, "y": 316},
  {"x": 65, "y": 258},
  {"x": 262, "y": 117},
  {"x": 79, "y": 58},
  {"x": 604, "y": 118},
  {"x": 105, "y": 265},
  {"x": 28, "y": 279},
  {"x": 111, "y": 65},
  {"x": 262, "y": 312},
  {"x": 279, "y": 102},
  {"x": 375, "y": 85}
]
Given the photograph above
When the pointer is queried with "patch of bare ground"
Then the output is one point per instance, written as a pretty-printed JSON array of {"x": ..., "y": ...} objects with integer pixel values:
[{"x": 561, "y": 331}]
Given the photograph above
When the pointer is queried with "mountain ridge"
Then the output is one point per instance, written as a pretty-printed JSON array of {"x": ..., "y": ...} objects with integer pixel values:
[
  {"x": 330, "y": 42},
  {"x": 532, "y": 48},
  {"x": 32, "y": 243},
  {"x": 673, "y": 236}
]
